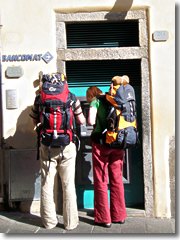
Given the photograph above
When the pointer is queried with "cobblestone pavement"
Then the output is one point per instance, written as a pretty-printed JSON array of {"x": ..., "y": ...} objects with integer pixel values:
[{"x": 17, "y": 222}]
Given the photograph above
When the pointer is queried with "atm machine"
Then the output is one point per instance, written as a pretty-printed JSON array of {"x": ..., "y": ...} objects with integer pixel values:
[{"x": 84, "y": 156}]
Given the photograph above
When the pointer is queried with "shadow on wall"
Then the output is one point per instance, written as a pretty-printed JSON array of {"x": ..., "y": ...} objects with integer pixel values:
[
  {"x": 122, "y": 5},
  {"x": 25, "y": 137},
  {"x": 23, "y": 167}
]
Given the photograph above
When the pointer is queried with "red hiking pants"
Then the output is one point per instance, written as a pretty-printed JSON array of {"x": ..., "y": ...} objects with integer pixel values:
[{"x": 107, "y": 161}]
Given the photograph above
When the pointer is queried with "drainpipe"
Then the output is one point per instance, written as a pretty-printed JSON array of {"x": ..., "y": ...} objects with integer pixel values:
[{"x": 5, "y": 196}]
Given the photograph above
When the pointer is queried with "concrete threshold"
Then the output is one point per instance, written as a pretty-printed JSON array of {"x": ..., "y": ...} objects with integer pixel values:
[{"x": 131, "y": 212}]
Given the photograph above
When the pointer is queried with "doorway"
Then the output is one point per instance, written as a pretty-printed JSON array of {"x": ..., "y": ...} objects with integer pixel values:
[{"x": 81, "y": 75}]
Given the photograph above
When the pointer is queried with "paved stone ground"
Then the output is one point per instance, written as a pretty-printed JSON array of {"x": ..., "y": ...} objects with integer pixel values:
[{"x": 17, "y": 222}]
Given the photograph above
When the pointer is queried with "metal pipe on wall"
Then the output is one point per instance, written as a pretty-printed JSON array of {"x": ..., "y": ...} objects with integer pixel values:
[{"x": 3, "y": 183}]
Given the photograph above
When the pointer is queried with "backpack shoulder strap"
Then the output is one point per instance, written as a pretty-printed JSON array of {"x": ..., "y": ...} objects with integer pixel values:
[{"x": 97, "y": 100}]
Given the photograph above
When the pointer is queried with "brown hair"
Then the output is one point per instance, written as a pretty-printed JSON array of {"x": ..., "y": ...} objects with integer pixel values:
[{"x": 92, "y": 92}]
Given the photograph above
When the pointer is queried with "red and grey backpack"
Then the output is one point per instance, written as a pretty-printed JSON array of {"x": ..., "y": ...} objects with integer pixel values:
[{"x": 56, "y": 116}]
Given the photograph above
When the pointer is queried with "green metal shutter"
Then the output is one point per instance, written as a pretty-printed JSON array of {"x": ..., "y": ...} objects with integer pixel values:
[
  {"x": 102, "y": 34},
  {"x": 83, "y": 74}
]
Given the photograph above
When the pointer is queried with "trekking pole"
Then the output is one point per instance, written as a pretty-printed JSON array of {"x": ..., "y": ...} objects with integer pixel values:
[{"x": 37, "y": 128}]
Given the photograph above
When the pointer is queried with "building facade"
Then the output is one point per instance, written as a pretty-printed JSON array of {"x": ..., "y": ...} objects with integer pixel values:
[{"x": 90, "y": 43}]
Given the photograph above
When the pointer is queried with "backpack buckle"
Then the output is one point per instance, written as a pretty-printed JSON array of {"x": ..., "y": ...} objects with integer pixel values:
[{"x": 55, "y": 135}]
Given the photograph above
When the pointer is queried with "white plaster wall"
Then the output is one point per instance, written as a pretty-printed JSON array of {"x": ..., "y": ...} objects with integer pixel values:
[
  {"x": 162, "y": 70},
  {"x": 29, "y": 27}
]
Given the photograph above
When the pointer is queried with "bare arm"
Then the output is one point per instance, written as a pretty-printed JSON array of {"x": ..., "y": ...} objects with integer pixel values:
[
  {"x": 92, "y": 116},
  {"x": 78, "y": 114},
  {"x": 80, "y": 118}
]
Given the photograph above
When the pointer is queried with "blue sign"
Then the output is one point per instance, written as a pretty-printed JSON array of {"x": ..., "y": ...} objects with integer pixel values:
[{"x": 47, "y": 57}]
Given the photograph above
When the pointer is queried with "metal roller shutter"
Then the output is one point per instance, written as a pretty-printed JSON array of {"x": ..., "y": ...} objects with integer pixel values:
[
  {"x": 83, "y": 74},
  {"x": 102, "y": 34}
]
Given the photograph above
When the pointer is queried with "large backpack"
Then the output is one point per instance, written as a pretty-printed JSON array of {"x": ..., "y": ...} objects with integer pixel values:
[
  {"x": 122, "y": 129},
  {"x": 56, "y": 117}
]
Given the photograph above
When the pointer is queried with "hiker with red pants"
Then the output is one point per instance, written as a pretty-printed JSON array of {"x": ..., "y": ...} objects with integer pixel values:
[
  {"x": 55, "y": 111},
  {"x": 106, "y": 161}
]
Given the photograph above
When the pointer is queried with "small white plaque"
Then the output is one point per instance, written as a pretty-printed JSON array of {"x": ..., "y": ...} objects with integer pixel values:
[
  {"x": 14, "y": 71},
  {"x": 160, "y": 35},
  {"x": 11, "y": 99}
]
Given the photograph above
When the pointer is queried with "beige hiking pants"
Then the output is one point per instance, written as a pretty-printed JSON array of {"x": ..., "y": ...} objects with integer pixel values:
[{"x": 66, "y": 169}]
